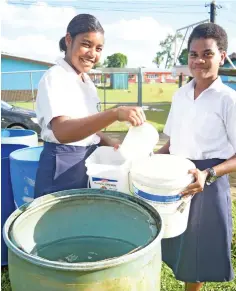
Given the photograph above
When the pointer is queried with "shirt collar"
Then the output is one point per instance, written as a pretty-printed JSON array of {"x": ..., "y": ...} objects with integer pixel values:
[
  {"x": 61, "y": 62},
  {"x": 215, "y": 86}
]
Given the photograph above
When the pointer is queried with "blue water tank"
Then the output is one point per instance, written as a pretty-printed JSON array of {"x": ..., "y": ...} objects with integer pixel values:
[
  {"x": 7, "y": 206},
  {"x": 120, "y": 81},
  {"x": 23, "y": 167}
]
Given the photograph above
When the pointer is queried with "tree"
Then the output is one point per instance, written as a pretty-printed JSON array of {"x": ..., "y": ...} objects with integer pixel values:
[
  {"x": 116, "y": 60},
  {"x": 158, "y": 59},
  {"x": 183, "y": 58},
  {"x": 97, "y": 65},
  {"x": 166, "y": 50}
]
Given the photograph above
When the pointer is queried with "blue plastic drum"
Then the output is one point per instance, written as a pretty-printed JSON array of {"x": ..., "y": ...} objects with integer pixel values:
[
  {"x": 7, "y": 199},
  {"x": 24, "y": 165}
]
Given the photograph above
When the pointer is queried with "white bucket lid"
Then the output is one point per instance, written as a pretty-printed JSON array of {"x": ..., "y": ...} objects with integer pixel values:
[
  {"x": 139, "y": 141},
  {"x": 162, "y": 170}
]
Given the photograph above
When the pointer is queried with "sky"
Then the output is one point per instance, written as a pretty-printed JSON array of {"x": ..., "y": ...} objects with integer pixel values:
[{"x": 32, "y": 28}]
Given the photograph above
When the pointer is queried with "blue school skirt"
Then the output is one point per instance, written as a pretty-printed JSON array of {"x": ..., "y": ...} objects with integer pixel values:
[
  {"x": 62, "y": 167},
  {"x": 203, "y": 252}
]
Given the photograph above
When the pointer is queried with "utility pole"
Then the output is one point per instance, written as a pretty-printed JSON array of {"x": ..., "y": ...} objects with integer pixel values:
[{"x": 212, "y": 12}]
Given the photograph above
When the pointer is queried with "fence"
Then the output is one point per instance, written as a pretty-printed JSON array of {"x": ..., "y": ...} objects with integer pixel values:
[
  {"x": 20, "y": 87},
  {"x": 133, "y": 86}
]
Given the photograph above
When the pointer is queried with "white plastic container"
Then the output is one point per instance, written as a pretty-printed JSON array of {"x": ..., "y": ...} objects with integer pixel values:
[
  {"x": 108, "y": 169},
  {"x": 139, "y": 141},
  {"x": 159, "y": 180}
]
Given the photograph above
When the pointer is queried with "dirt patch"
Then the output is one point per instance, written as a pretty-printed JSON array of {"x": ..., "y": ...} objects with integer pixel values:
[{"x": 233, "y": 193}]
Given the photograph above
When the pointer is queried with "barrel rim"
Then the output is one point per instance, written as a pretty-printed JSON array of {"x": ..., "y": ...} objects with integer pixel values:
[
  {"x": 18, "y": 129},
  {"x": 88, "y": 266},
  {"x": 12, "y": 154}
]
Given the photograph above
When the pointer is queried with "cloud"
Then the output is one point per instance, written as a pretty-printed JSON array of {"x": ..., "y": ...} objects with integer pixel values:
[
  {"x": 143, "y": 29},
  {"x": 34, "y": 31},
  {"x": 32, "y": 46},
  {"x": 136, "y": 38},
  {"x": 232, "y": 45}
]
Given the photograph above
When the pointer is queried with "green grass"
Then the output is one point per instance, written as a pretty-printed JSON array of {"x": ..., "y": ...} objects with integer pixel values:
[
  {"x": 5, "y": 282},
  {"x": 168, "y": 282},
  {"x": 151, "y": 93},
  {"x": 158, "y": 96}
]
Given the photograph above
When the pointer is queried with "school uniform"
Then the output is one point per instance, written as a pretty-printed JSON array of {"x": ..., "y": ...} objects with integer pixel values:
[
  {"x": 204, "y": 131},
  {"x": 62, "y": 93}
]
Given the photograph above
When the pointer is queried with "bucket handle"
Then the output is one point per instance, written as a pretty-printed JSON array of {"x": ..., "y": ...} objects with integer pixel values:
[
  {"x": 182, "y": 206},
  {"x": 130, "y": 183},
  {"x": 88, "y": 184}
]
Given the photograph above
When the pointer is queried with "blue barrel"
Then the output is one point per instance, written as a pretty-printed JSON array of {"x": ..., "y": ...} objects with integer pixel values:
[
  {"x": 23, "y": 166},
  {"x": 19, "y": 136},
  {"x": 8, "y": 205}
]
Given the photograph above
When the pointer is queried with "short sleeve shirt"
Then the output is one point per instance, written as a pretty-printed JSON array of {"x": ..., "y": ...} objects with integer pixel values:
[
  {"x": 203, "y": 128},
  {"x": 62, "y": 93}
]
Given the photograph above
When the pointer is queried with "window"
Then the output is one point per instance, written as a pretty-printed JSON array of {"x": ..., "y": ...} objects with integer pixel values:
[{"x": 152, "y": 76}]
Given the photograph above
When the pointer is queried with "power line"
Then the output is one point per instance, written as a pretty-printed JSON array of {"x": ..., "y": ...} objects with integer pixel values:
[
  {"x": 146, "y": 3},
  {"x": 128, "y": 9},
  {"x": 66, "y": 4},
  {"x": 233, "y": 21}
]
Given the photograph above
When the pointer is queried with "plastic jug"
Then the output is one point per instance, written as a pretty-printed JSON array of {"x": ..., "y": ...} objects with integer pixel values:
[{"x": 139, "y": 141}]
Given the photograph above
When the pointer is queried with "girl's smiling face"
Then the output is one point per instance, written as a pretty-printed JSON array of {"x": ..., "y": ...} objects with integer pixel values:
[{"x": 84, "y": 50}]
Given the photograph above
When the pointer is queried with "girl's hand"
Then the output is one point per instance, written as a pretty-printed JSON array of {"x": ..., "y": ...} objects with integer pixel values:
[
  {"x": 116, "y": 146},
  {"x": 132, "y": 114},
  {"x": 198, "y": 185},
  {"x": 115, "y": 143}
]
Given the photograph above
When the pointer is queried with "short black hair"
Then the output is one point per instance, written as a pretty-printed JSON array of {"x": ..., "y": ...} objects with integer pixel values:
[
  {"x": 210, "y": 30},
  {"x": 81, "y": 23}
]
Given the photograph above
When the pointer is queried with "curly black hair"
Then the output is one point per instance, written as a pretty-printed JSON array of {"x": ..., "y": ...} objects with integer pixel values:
[
  {"x": 210, "y": 30},
  {"x": 81, "y": 23}
]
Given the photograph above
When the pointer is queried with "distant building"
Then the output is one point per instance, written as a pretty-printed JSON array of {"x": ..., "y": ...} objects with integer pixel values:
[
  {"x": 157, "y": 76},
  {"x": 230, "y": 80},
  {"x": 15, "y": 84},
  {"x": 21, "y": 76},
  {"x": 149, "y": 75}
]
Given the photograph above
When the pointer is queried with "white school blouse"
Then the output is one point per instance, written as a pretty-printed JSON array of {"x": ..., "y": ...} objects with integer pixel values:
[
  {"x": 204, "y": 128},
  {"x": 62, "y": 93}
]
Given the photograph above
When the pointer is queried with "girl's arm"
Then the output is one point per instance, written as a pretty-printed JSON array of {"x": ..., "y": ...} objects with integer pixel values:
[{"x": 67, "y": 130}]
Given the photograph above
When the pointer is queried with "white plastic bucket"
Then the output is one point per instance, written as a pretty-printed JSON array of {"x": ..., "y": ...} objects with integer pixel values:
[
  {"x": 108, "y": 169},
  {"x": 19, "y": 136},
  {"x": 139, "y": 141},
  {"x": 159, "y": 180}
]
